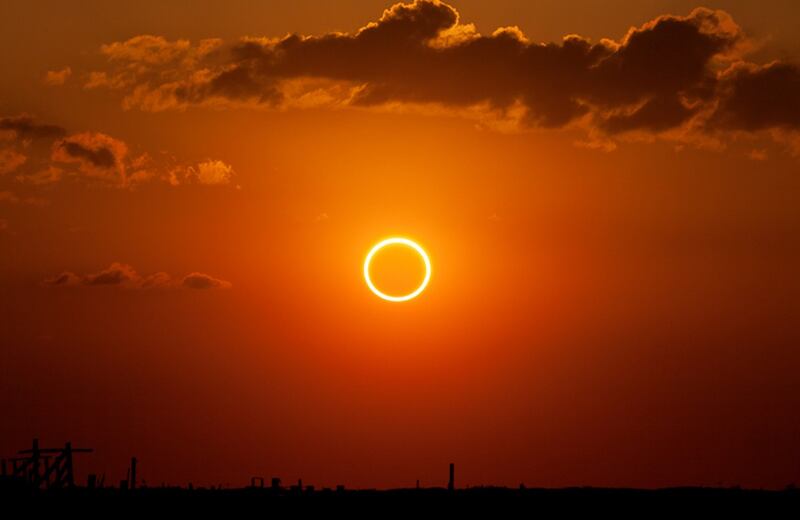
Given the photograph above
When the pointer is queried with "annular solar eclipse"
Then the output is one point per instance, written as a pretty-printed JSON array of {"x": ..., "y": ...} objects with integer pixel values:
[{"x": 404, "y": 242}]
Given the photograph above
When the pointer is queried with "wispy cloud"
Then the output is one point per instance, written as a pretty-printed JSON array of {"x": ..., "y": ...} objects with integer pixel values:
[
  {"x": 38, "y": 154},
  {"x": 56, "y": 78}
]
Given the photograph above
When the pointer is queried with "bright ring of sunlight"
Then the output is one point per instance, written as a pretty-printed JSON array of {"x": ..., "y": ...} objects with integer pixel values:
[{"x": 406, "y": 242}]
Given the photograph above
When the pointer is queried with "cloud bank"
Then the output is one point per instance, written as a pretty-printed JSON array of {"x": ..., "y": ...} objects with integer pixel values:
[
  {"x": 123, "y": 275},
  {"x": 677, "y": 77}
]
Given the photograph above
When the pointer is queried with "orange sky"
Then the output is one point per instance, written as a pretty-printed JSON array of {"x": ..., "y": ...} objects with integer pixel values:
[{"x": 613, "y": 226}]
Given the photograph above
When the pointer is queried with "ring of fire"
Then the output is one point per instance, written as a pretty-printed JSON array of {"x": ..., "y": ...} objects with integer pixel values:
[{"x": 406, "y": 242}]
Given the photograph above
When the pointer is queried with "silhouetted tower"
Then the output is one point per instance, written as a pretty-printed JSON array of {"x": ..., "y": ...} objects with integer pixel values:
[
  {"x": 276, "y": 484},
  {"x": 133, "y": 472},
  {"x": 29, "y": 466},
  {"x": 451, "y": 483},
  {"x": 37, "y": 469}
]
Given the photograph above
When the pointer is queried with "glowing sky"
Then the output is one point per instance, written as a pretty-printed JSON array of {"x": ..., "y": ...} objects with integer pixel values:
[{"x": 607, "y": 191}]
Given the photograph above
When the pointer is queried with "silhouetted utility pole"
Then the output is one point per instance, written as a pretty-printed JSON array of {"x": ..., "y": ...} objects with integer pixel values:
[
  {"x": 452, "y": 484},
  {"x": 133, "y": 472}
]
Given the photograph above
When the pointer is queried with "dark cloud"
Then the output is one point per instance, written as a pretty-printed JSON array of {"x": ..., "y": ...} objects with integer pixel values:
[
  {"x": 759, "y": 97},
  {"x": 204, "y": 281},
  {"x": 96, "y": 156},
  {"x": 101, "y": 157},
  {"x": 22, "y": 140},
  {"x": 123, "y": 275},
  {"x": 91, "y": 157},
  {"x": 116, "y": 274},
  {"x": 24, "y": 127},
  {"x": 655, "y": 115},
  {"x": 421, "y": 53},
  {"x": 62, "y": 280}
]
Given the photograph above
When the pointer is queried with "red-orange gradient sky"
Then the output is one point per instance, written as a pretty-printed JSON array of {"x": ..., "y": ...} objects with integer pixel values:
[{"x": 188, "y": 190}]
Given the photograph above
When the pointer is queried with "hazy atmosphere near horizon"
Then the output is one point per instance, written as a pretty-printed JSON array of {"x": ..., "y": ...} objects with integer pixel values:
[{"x": 554, "y": 242}]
